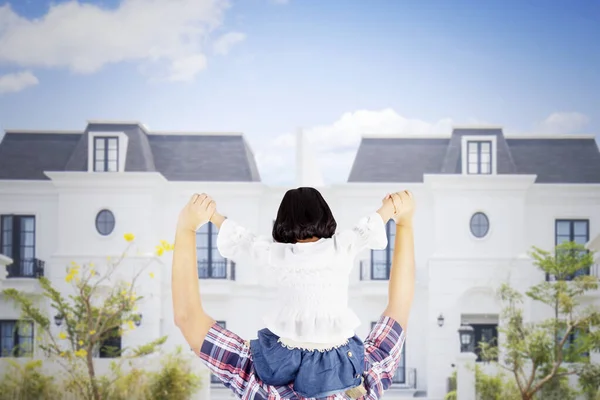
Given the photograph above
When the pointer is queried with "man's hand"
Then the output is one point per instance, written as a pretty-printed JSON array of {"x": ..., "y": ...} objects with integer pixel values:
[
  {"x": 388, "y": 207},
  {"x": 405, "y": 207},
  {"x": 196, "y": 212}
]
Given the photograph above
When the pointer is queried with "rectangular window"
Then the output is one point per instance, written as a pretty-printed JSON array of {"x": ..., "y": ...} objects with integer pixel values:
[
  {"x": 572, "y": 230},
  {"x": 487, "y": 333},
  {"x": 214, "y": 378},
  {"x": 106, "y": 154},
  {"x": 571, "y": 345},
  {"x": 479, "y": 157},
  {"x": 381, "y": 260},
  {"x": 211, "y": 265},
  {"x": 111, "y": 346},
  {"x": 16, "y": 338},
  {"x": 17, "y": 241}
]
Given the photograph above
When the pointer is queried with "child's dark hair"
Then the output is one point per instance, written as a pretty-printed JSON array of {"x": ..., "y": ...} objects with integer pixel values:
[{"x": 303, "y": 214}]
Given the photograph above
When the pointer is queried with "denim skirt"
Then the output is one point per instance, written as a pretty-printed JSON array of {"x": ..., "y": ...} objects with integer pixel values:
[{"x": 314, "y": 373}]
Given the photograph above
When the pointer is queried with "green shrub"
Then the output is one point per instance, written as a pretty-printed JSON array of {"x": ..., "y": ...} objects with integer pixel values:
[
  {"x": 25, "y": 381},
  {"x": 487, "y": 387},
  {"x": 175, "y": 380}
]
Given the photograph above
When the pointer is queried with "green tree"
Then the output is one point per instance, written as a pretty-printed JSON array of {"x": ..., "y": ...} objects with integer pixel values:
[
  {"x": 100, "y": 308},
  {"x": 541, "y": 355}
]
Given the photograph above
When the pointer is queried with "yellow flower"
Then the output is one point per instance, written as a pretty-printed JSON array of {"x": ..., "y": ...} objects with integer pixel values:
[
  {"x": 92, "y": 264},
  {"x": 151, "y": 275},
  {"x": 159, "y": 251},
  {"x": 81, "y": 353},
  {"x": 62, "y": 353},
  {"x": 130, "y": 325},
  {"x": 92, "y": 332},
  {"x": 69, "y": 278},
  {"x": 92, "y": 272},
  {"x": 164, "y": 244},
  {"x": 129, "y": 237},
  {"x": 62, "y": 335},
  {"x": 81, "y": 342}
]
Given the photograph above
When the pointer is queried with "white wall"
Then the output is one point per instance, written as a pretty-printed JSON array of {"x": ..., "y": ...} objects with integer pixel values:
[{"x": 456, "y": 273}]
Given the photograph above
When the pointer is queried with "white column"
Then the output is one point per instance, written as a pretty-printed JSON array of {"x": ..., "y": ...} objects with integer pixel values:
[
  {"x": 465, "y": 376},
  {"x": 307, "y": 168},
  {"x": 299, "y": 157}
]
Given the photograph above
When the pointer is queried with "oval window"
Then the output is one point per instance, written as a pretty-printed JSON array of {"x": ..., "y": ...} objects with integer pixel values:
[
  {"x": 105, "y": 222},
  {"x": 480, "y": 225}
]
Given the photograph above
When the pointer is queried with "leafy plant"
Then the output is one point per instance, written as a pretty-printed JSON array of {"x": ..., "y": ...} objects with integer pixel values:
[
  {"x": 101, "y": 308},
  {"x": 541, "y": 355},
  {"x": 487, "y": 387},
  {"x": 25, "y": 381}
]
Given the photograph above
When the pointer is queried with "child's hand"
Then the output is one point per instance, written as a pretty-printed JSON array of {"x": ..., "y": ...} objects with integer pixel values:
[
  {"x": 196, "y": 212},
  {"x": 405, "y": 207},
  {"x": 388, "y": 208}
]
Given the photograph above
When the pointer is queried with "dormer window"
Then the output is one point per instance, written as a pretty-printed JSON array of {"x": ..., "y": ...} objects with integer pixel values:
[
  {"x": 106, "y": 154},
  {"x": 479, "y": 155}
]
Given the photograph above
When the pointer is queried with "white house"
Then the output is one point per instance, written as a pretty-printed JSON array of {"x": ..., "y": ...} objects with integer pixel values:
[{"x": 483, "y": 200}]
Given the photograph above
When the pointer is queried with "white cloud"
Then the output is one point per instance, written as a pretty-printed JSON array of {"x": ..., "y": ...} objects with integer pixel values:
[
  {"x": 184, "y": 69},
  {"x": 564, "y": 122},
  {"x": 84, "y": 37},
  {"x": 223, "y": 44},
  {"x": 15, "y": 82},
  {"x": 335, "y": 144}
]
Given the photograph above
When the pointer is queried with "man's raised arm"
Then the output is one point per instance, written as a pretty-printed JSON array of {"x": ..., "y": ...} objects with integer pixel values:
[
  {"x": 402, "y": 275},
  {"x": 189, "y": 315}
]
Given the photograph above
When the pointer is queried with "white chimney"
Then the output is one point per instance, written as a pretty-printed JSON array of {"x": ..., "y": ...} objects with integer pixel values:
[{"x": 307, "y": 170}]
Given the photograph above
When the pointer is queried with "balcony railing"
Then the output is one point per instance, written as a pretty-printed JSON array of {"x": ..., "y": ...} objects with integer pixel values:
[
  {"x": 374, "y": 271},
  {"x": 222, "y": 269},
  {"x": 28, "y": 268}
]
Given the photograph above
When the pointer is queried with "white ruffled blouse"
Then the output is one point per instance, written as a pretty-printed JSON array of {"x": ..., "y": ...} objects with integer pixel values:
[{"x": 312, "y": 278}]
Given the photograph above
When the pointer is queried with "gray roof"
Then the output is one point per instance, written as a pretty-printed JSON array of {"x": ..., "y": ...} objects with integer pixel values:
[
  {"x": 27, "y": 156},
  {"x": 553, "y": 160},
  {"x": 179, "y": 157}
]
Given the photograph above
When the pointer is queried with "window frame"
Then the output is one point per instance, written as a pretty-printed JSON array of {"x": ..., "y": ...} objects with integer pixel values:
[
  {"x": 478, "y": 331},
  {"x": 18, "y": 267},
  {"x": 571, "y": 341},
  {"x": 487, "y": 218},
  {"x": 105, "y": 157},
  {"x": 464, "y": 153},
  {"x": 209, "y": 244},
  {"x": 15, "y": 351},
  {"x": 390, "y": 231},
  {"x": 101, "y": 352},
  {"x": 479, "y": 153},
  {"x": 572, "y": 236},
  {"x": 113, "y": 225}
]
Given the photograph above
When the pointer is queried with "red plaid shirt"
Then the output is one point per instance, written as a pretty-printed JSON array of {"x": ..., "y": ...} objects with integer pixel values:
[{"x": 229, "y": 358}]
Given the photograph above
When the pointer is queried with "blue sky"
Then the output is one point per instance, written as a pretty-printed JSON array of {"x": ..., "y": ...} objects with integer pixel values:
[{"x": 336, "y": 68}]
